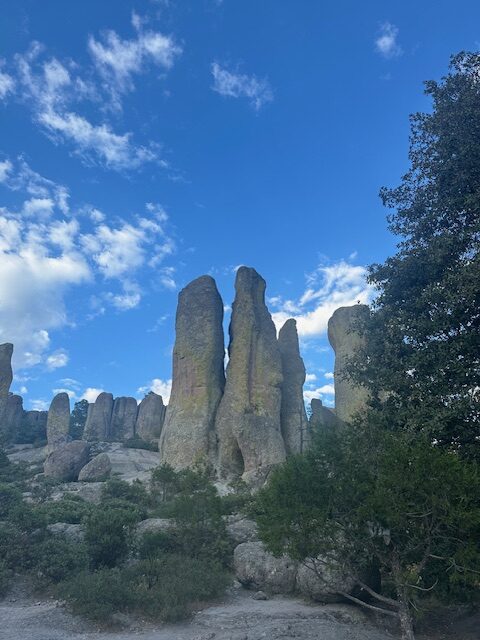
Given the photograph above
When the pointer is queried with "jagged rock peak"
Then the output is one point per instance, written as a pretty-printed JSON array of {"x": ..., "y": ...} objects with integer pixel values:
[
  {"x": 293, "y": 415},
  {"x": 198, "y": 376},
  {"x": 248, "y": 419},
  {"x": 58, "y": 420}
]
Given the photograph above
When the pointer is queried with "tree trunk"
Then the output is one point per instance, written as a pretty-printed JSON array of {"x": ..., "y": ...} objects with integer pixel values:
[{"x": 406, "y": 625}]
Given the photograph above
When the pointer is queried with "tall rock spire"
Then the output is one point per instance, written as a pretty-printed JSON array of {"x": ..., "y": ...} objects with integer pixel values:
[
  {"x": 6, "y": 377},
  {"x": 198, "y": 376},
  {"x": 58, "y": 420}
]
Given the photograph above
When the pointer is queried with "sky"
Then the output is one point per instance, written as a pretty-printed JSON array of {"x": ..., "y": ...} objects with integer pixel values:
[{"x": 144, "y": 143}]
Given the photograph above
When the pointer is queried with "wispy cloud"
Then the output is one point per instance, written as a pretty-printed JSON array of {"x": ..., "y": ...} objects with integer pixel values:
[
  {"x": 239, "y": 85},
  {"x": 386, "y": 43},
  {"x": 7, "y": 85},
  {"x": 161, "y": 387}
]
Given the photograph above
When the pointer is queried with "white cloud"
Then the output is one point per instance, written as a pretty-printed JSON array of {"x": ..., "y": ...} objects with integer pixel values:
[
  {"x": 5, "y": 168},
  {"x": 328, "y": 288},
  {"x": 71, "y": 394},
  {"x": 57, "y": 359},
  {"x": 161, "y": 387},
  {"x": 386, "y": 44},
  {"x": 310, "y": 377},
  {"x": 39, "y": 405},
  {"x": 326, "y": 393},
  {"x": 167, "y": 278},
  {"x": 7, "y": 85},
  {"x": 70, "y": 382},
  {"x": 238, "y": 85},
  {"x": 91, "y": 394},
  {"x": 329, "y": 375}
]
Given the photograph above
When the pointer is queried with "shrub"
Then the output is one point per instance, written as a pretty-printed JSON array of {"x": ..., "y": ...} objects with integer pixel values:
[
  {"x": 56, "y": 559},
  {"x": 108, "y": 536},
  {"x": 10, "y": 497},
  {"x": 135, "y": 493},
  {"x": 139, "y": 443},
  {"x": 5, "y": 577},
  {"x": 71, "y": 509}
]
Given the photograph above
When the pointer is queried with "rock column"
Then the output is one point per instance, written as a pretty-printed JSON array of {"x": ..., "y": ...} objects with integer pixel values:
[
  {"x": 58, "y": 421},
  {"x": 150, "y": 417},
  {"x": 97, "y": 426}
]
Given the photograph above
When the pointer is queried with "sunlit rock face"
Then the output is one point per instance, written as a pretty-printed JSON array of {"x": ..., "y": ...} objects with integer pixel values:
[
  {"x": 124, "y": 417},
  {"x": 58, "y": 420},
  {"x": 150, "y": 417},
  {"x": 99, "y": 418},
  {"x": 198, "y": 377},
  {"x": 248, "y": 420}
]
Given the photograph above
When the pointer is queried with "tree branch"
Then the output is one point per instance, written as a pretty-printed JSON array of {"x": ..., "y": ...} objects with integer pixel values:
[
  {"x": 377, "y": 596},
  {"x": 386, "y": 612}
]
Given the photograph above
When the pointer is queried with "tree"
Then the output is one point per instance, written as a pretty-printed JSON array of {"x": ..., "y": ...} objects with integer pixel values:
[
  {"x": 78, "y": 419},
  {"x": 367, "y": 497},
  {"x": 421, "y": 359}
]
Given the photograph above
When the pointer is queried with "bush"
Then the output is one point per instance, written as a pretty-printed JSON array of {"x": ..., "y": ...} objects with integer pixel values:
[
  {"x": 5, "y": 577},
  {"x": 71, "y": 509},
  {"x": 134, "y": 493},
  {"x": 10, "y": 497},
  {"x": 56, "y": 559},
  {"x": 108, "y": 536},
  {"x": 139, "y": 443}
]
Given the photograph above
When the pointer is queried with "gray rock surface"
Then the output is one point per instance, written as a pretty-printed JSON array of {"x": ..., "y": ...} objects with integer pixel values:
[
  {"x": 150, "y": 417},
  {"x": 241, "y": 529},
  {"x": 322, "y": 417},
  {"x": 345, "y": 339},
  {"x": 256, "y": 568},
  {"x": 97, "y": 426},
  {"x": 154, "y": 525},
  {"x": 248, "y": 419},
  {"x": 124, "y": 416},
  {"x": 97, "y": 470},
  {"x": 64, "y": 462},
  {"x": 198, "y": 376},
  {"x": 322, "y": 581},
  {"x": 13, "y": 415},
  {"x": 58, "y": 420},
  {"x": 6, "y": 377},
  {"x": 293, "y": 415},
  {"x": 72, "y": 532},
  {"x": 36, "y": 420}
]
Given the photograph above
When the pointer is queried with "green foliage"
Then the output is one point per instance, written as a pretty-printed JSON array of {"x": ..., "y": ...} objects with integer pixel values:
[
  {"x": 31, "y": 433},
  {"x": 70, "y": 509},
  {"x": 108, "y": 536},
  {"x": 57, "y": 559},
  {"x": 10, "y": 497},
  {"x": 135, "y": 493},
  {"x": 78, "y": 418},
  {"x": 139, "y": 443},
  {"x": 10, "y": 472},
  {"x": 421, "y": 360},
  {"x": 5, "y": 578}
]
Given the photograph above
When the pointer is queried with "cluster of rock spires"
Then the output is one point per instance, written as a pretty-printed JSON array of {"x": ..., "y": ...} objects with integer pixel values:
[{"x": 242, "y": 421}]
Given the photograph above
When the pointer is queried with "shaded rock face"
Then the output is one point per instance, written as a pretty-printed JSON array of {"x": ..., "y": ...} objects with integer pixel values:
[
  {"x": 58, "y": 420},
  {"x": 293, "y": 415},
  {"x": 12, "y": 415},
  {"x": 256, "y": 568},
  {"x": 97, "y": 426},
  {"x": 6, "y": 377},
  {"x": 248, "y": 419},
  {"x": 322, "y": 417},
  {"x": 65, "y": 462},
  {"x": 322, "y": 579},
  {"x": 150, "y": 417},
  {"x": 345, "y": 339},
  {"x": 198, "y": 376},
  {"x": 36, "y": 419},
  {"x": 124, "y": 416},
  {"x": 97, "y": 470}
]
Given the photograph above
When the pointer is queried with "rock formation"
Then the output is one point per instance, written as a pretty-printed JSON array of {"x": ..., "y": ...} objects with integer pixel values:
[
  {"x": 97, "y": 470},
  {"x": 198, "y": 376},
  {"x": 322, "y": 417},
  {"x": 150, "y": 417},
  {"x": 248, "y": 419},
  {"x": 65, "y": 462},
  {"x": 12, "y": 416},
  {"x": 6, "y": 377},
  {"x": 293, "y": 415},
  {"x": 97, "y": 426},
  {"x": 58, "y": 420},
  {"x": 36, "y": 422},
  {"x": 345, "y": 338},
  {"x": 124, "y": 416}
]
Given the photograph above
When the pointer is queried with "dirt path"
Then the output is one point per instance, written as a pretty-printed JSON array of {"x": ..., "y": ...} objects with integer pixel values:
[{"x": 238, "y": 617}]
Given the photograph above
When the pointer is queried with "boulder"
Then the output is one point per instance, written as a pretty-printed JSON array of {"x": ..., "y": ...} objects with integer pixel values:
[
  {"x": 345, "y": 336},
  {"x": 97, "y": 470},
  {"x": 256, "y": 568},
  {"x": 155, "y": 525},
  {"x": 58, "y": 420},
  {"x": 72, "y": 532},
  {"x": 293, "y": 415},
  {"x": 322, "y": 581},
  {"x": 198, "y": 376},
  {"x": 124, "y": 416},
  {"x": 97, "y": 426},
  {"x": 6, "y": 377},
  {"x": 248, "y": 419},
  {"x": 65, "y": 462},
  {"x": 241, "y": 529},
  {"x": 150, "y": 417},
  {"x": 322, "y": 418}
]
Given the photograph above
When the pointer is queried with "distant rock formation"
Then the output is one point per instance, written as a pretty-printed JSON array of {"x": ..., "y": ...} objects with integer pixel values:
[
  {"x": 150, "y": 417},
  {"x": 248, "y": 420},
  {"x": 198, "y": 376},
  {"x": 124, "y": 417},
  {"x": 322, "y": 417},
  {"x": 293, "y": 415},
  {"x": 36, "y": 421},
  {"x": 58, "y": 420},
  {"x": 345, "y": 339},
  {"x": 6, "y": 377},
  {"x": 13, "y": 415},
  {"x": 97, "y": 426}
]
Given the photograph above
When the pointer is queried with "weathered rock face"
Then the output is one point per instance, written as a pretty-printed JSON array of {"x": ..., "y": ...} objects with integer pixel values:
[
  {"x": 198, "y": 376},
  {"x": 97, "y": 426},
  {"x": 97, "y": 470},
  {"x": 150, "y": 417},
  {"x": 248, "y": 419},
  {"x": 65, "y": 462},
  {"x": 58, "y": 420},
  {"x": 322, "y": 579},
  {"x": 293, "y": 415},
  {"x": 124, "y": 416},
  {"x": 6, "y": 377},
  {"x": 36, "y": 420},
  {"x": 13, "y": 415},
  {"x": 345, "y": 339},
  {"x": 256, "y": 568},
  {"x": 322, "y": 417}
]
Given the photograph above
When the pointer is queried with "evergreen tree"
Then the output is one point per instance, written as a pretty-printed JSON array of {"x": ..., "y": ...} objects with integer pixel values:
[{"x": 78, "y": 419}]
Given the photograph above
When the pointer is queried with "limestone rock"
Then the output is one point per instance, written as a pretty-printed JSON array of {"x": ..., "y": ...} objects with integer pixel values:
[
  {"x": 256, "y": 568},
  {"x": 124, "y": 416},
  {"x": 198, "y": 376},
  {"x": 65, "y": 462},
  {"x": 6, "y": 377},
  {"x": 150, "y": 417},
  {"x": 293, "y": 415},
  {"x": 58, "y": 420},
  {"x": 345, "y": 339},
  {"x": 322, "y": 581},
  {"x": 241, "y": 529},
  {"x": 13, "y": 416},
  {"x": 248, "y": 419},
  {"x": 97, "y": 470},
  {"x": 97, "y": 426},
  {"x": 322, "y": 417}
]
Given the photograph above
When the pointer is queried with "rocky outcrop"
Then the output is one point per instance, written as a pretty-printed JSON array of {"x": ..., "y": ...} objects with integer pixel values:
[
  {"x": 124, "y": 416},
  {"x": 294, "y": 420},
  {"x": 323, "y": 579},
  {"x": 150, "y": 417},
  {"x": 322, "y": 417},
  {"x": 58, "y": 420},
  {"x": 97, "y": 426},
  {"x": 36, "y": 421},
  {"x": 256, "y": 568},
  {"x": 198, "y": 376},
  {"x": 241, "y": 529},
  {"x": 13, "y": 416},
  {"x": 6, "y": 377},
  {"x": 248, "y": 419},
  {"x": 65, "y": 462},
  {"x": 97, "y": 470},
  {"x": 345, "y": 337}
]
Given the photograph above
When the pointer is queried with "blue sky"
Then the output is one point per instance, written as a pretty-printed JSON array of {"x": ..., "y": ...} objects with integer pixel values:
[{"x": 146, "y": 143}]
